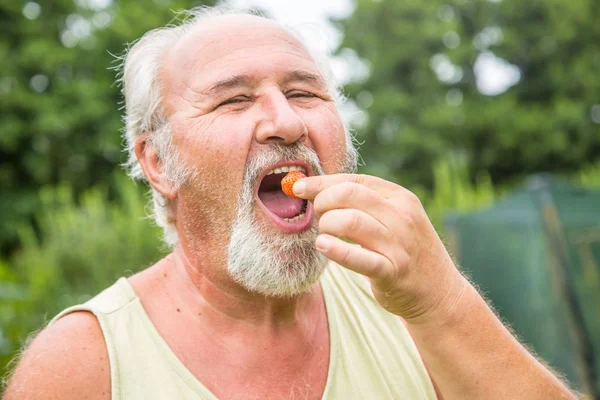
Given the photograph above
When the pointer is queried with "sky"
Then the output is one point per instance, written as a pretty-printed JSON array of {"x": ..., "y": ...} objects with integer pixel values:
[{"x": 493, "y": 74}]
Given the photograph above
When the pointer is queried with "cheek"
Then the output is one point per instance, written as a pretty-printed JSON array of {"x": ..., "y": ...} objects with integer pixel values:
[
  {"x": 219, "y": 144},
  {"x": 206, "y": 208},
  {"x": 327, "y": 135}
]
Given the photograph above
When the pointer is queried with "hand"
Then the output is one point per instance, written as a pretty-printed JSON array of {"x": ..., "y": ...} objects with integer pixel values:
[{"x": 395, "y": 245}]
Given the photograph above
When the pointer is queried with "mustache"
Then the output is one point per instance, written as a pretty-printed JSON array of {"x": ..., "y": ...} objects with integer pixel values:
[{"x": 279, "y": 152}]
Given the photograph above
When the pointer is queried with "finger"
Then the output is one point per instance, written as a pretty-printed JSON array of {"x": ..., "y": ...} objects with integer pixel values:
[
  {"x": 357, "y": 226},
  {"x": 308, "y": 188},
  {"x": 354, "y": 257},
  {"x": 355, "y": 196}
]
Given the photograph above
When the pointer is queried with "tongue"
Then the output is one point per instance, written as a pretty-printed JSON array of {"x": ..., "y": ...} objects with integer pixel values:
[{"x": 280, "y": 204}]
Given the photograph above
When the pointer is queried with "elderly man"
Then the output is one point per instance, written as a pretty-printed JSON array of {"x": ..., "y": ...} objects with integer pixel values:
[{"x": 260, "y": 297}]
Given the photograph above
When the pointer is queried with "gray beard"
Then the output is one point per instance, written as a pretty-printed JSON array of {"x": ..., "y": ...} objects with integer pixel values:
[
  {"x": 268, "y": 262},
  {"x": 261, "y": 259},
  {"x": 274, "y": 265}
]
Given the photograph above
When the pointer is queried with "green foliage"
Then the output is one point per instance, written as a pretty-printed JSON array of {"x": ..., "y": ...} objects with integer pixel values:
[
  {"x": 59, "y": 105},
  {"x": 417, "y": 115},
  {"x": 85, "y": 247},
  {"x": 590, "y": 176},
  {"x": 453, "y": 190}
]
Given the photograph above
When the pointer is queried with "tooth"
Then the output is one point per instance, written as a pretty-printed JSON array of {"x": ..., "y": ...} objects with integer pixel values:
[
  {"x": 302, "y": 170},
  {"x": 271, "y": 172},
  {"x": 285, "y": 169},
  {"x": 277, "y": 170},
  {"x": 294, "y": 219},
  {"x": 293, "y": 168}
]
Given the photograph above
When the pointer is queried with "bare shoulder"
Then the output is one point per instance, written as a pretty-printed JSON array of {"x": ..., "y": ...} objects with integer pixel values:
[{"x": 67, "y": 360}]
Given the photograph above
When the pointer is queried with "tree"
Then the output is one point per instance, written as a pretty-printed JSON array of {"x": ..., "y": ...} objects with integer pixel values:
[
  {"x": 60, "y": 118},
  {"x": 424, "y": 99}
]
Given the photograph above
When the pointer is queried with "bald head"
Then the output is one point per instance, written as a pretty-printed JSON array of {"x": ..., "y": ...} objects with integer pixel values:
[{"x": 212, "y": 38}]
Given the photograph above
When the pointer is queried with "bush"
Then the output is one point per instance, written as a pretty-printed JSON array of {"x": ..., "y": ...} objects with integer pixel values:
[
  {"x": 589, "y": 176},
  {"x": 453, "y": 191},
  {"x": 78, "y": 249}
]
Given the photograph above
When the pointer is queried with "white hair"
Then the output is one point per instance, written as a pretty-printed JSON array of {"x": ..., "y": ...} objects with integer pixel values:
[{"x": 144, "y": 112}]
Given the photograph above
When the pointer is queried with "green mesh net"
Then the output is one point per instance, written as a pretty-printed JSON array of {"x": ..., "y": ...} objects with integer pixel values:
[{"x": 536, "y": 256}]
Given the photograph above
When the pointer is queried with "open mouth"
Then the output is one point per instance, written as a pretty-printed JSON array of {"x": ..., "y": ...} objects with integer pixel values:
[{"x": 288, "y": 213}]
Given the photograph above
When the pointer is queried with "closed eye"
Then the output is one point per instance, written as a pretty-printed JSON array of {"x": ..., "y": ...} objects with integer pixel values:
[
  {"x": 235, "y": 100},
  {"x": 299, "y": 94}
]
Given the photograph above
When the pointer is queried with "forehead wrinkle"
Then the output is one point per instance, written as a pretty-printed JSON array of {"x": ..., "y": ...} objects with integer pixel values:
[
  {"x": 252, "y": 80},
  {"x": 237, "y": 81},
  {"x": 307, "y": 74},
  {"x": 228, "y": 83},
  {"x": 299, "y": 75},
  {"x": 201, "y": 65},
  {"x": 209, "y": 47}
]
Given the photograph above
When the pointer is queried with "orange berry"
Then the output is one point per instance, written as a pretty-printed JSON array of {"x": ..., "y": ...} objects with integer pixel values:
[{"x": 287, "y": 183}]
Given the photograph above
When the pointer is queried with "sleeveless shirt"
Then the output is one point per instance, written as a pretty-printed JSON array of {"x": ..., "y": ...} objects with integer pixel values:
[{"x": 372, "y": 355}]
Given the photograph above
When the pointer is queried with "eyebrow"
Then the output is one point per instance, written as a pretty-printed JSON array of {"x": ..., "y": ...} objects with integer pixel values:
[
  {"x": 244, "y": 80},
  {"x": 304, "y": 76},
  {"x": 229, "y": 83}
]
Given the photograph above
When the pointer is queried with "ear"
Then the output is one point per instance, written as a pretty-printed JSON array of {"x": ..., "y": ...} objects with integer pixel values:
[{"x": 152, "y": 166}]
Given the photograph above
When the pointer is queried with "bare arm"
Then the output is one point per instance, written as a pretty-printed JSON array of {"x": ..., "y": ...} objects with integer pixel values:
[
  {"x": 67, "y": 360},
  {"x": 470, "y": 354}
]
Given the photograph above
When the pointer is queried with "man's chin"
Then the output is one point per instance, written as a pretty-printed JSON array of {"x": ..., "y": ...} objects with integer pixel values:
[
  {"x": 290, "y": 287},
  {"x": 274, "y": 265}
]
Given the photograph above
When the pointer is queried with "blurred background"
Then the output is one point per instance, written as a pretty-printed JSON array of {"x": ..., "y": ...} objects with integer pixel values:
[{"x": 489, "y": 110}]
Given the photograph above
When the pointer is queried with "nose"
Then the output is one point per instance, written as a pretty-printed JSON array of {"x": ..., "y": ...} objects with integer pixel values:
[{"x": 279, "y": 122}]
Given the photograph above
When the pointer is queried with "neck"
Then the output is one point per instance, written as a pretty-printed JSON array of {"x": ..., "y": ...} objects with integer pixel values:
[{"x": 207, "y": 290}]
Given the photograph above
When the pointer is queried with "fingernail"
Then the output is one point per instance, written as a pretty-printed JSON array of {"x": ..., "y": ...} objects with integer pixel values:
[
  {"x": 323, "y": 242},
  {"x": 299, "y": 187}
]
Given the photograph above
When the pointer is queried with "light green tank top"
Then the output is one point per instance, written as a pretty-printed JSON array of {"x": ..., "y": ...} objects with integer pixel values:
[{"x": 372, "y": 354}]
